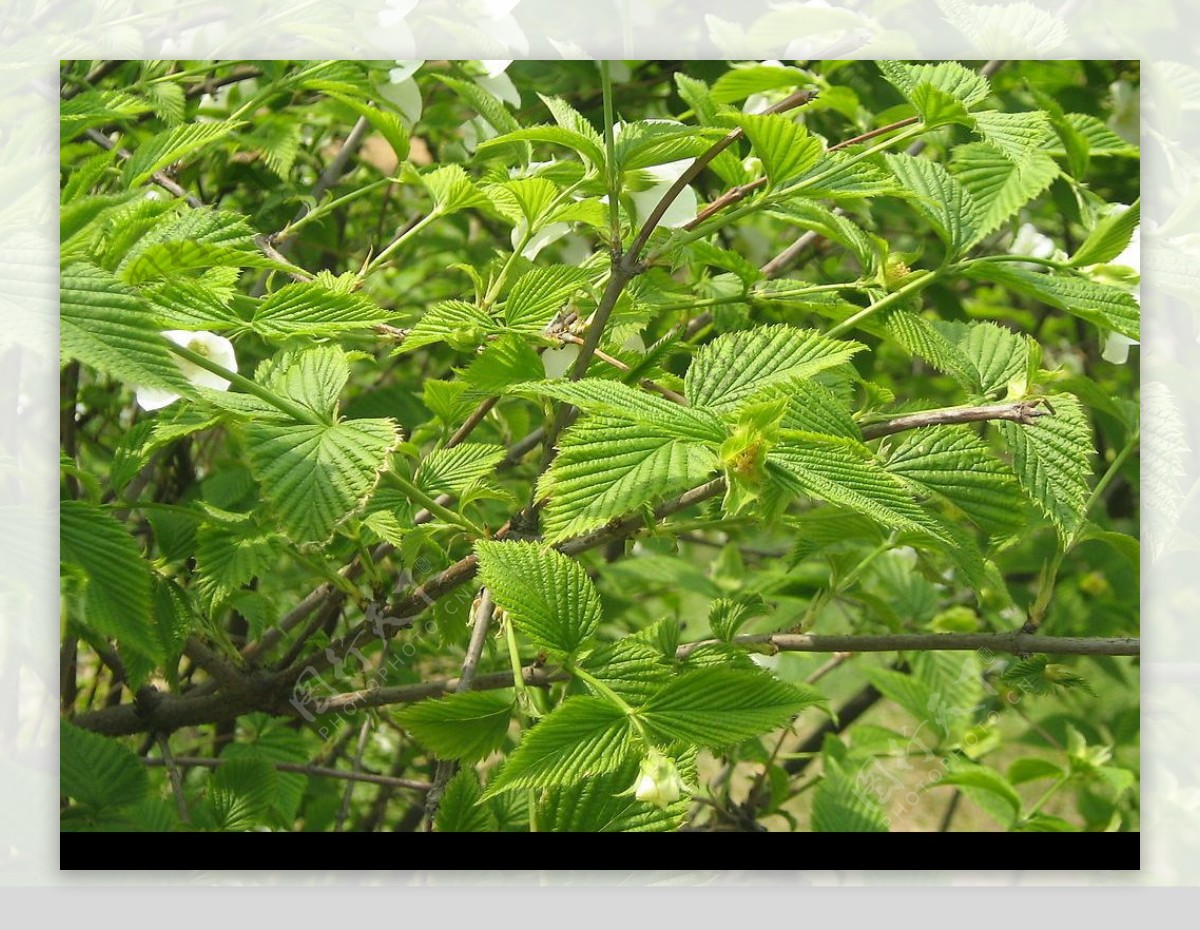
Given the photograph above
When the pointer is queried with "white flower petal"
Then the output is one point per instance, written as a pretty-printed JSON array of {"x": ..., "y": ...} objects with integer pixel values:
[
  {"x": 558, "y": 361},
  {"x": 217, "y": 348},
  {"x": 1116, "y": 348},
  {"x": 539, "y": 240},
  {"x": 495, "y": 66},
  {"x": 149, "y": 398},
  {"x": 406, "y": 95},
  {"x": 681, "y": 211},
  {"x": 404, "y": 70}
]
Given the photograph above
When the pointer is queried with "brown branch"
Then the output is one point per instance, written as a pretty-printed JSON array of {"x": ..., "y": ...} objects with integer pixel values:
[
  {"x": 317, "y": 771},
  {"x": 484, "y": 608},
  {"x": 1016, "y": 643},
  {"x": 1024, "y": 412}
]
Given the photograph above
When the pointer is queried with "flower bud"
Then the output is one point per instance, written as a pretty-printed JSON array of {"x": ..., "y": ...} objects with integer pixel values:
[{"x": 659, "y": 782}]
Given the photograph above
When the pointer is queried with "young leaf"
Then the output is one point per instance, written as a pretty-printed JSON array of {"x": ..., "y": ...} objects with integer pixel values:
[
  {"x": 548, "y": 596},
  {"x": 105, "y": 325},
  {"x": 1107, "y": 307},
  {"x": 718, "y": 707},
  {"x": 457, "y": 322},
  {"x": 452, "y": 190},
  {"x": 582, "y": 738},
  {"x": 171, "y": 146},
  {"x": 539, "y": 294},
  {"x": 785, "y": 147},
  {"x": 450, "y": 471},
  {"x": 940, "y": 199},
  {"x": 116, "y": 599},
  {"x": 1109, "y": 238},
  {"x": 998, "y": 186},
  {"x": 1015, "y": 135},
  {"x": 842, "y": 804},
  {"x": 614, "y": 399},
  {"x": 312, "y": 309},
  {"x": 607, "y": 468},
  {"x": 466, "y": 727},
  {"x": 736, "y": 365},
  {"x": 460, "y": 810},
  {"x": 845, "y": 473},
  {"x": 98, "y": 771},
  {"x": 316, "y": 477},
  {"x": 1052, "y": 458},
  {"x": 240, "y": 795},
  {"x": 953, "y": 462}
]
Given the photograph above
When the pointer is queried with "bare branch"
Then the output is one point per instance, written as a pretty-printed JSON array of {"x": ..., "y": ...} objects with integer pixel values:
[
  {"x": 1023, "y": 412},
  {"x": 316, "y": 771}
]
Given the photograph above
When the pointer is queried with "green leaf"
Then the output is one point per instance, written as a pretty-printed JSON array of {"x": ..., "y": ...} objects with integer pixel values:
[
  {"x": 614, "y": 399},
  {"x": 97, "y": 771},
  {"x": 604, "y": 804},
  {"x": 727, "y": 615},
  {"x": 999, "y": 358},
  {"x": 540, "y": 294},
  {"x": 953, "y": 462},
  {"x": 1107, "y": 307},
  {"x": 844, "y": 472},
  {"x": 844, "y": 804},
  {"x": 105, "y": 325},
  {"x": 1015, "y": 135},
  {"x": 737, "y": 365},
  {"x": 717, "y": 707},
  {"x": 998, "y": 186},
  {"x": 645, "y": 143},
  {"x": 457, "y": 322},
  {"x": 450, "y": 471},
  {"x": 312, "y": 377},
  {"x": 835, "y": 227},
  {"x": 982, "y": 779},
  {"x": 785, "y": 147},
  {"x": 240, "y": 795},
  {"x": 839, "y": 176},
  {"x": 940, "y": 199},
  {"x": 276, "y": 742},
  {"x": 591, "y": 149},
  {"x": 452, "y": 190},
  {"x": 116, "y": 600},
  {"x": 384, "y": 122},
  {"x": 740, "y": 83},
  {"x": 607, "y": 468},
  {"x": 1031, "y": 768},
  {"x": 524, "y": 200},
  {"x": 229, "y": 554},
  {"x": 548, "y": 596},
  {"x": 631, "y": 668},
  {"x": 583, "y": 737},
  {"x": 504, "y": 361},
  {"x": 460, "y": 810},
  {"x": 573, "y": 121},
  {"x": 949, "y": 77},
  {"x": 1052, "y": 458},
  {"x": 316, "y": 477},
  {"x": 97, "y": 108},
  {"x": 467, "y": 726},
  {"x": 171, "y": 146},
  {"x": 491, "y": 108},
  {"x": 921, "y": 337},
  {"x": 312, "y": 309},
  {"x": 1109, "y": 238}
]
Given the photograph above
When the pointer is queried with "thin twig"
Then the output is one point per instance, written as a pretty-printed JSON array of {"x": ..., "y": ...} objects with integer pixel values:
[
  {"x": 1024, "y": 412},
  {"x": 484, "y": 608},
  {"x": 355, "y": 767},
  {"x": 316, "y": 771},
  {"x": 176, "y": 780}
]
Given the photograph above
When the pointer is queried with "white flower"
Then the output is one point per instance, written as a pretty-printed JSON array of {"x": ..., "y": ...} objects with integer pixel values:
[
  {"x": 658, "y": 781},
  {"x": 1126, "y": 119},
  {"x": 557, "y": 361},
  {"x": 1028, "y": 241},
  {"x": 1116, "y": 348},
  {"x": 402, "y": 89},
  {"x": 217, "y": 348},
  {"x": 548, "y": 234},
  {"x": 495, "y": 66}
]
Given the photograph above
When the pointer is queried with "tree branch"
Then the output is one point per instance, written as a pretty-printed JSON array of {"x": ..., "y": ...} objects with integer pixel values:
[
  {"x": 316, "y": 771},
  {"x": 1023, "y": 412}
]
